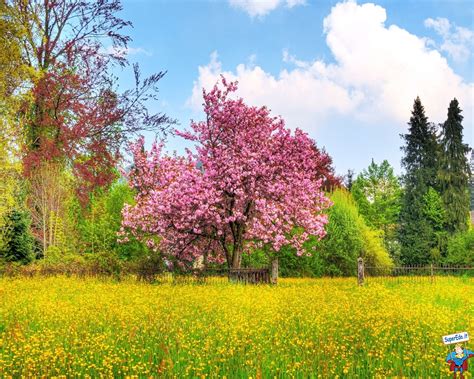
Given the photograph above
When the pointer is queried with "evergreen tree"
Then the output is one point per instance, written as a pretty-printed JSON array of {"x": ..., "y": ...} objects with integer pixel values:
[
  {"x": 471, "y": 181},
  {"x": 454, "y": 171},
  {"x": 19, "y": 241},
  {"x": 416, "y": 232}
]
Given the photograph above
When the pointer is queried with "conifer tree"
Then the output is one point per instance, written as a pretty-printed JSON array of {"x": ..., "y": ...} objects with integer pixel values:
[
  {"x": 471, "y": 181},
  {"x": 416, "y": 234},
  {"x": 454, "y": 171}
]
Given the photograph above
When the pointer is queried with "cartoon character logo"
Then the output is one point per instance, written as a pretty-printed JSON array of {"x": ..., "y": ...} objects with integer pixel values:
[{"x": 458, "y": 360}]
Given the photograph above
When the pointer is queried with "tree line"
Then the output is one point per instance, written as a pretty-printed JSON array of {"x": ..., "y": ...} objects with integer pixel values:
[{"x": 253, "y": 191}]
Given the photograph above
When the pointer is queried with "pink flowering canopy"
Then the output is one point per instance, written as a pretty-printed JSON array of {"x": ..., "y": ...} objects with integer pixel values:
[{"x": 250, "y": 182}]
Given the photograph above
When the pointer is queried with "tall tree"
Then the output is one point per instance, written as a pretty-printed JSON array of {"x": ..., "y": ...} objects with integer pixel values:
[
  {"x": 327, "y": 174},
  {"x": 454, "y": 171},
  {"x": 377, "y": 192},
  {"x": 420, "y": 163},
  {"x": 76, "y": 115},
  {"x": 50, "y": 188},
  {"x": 73, "y": 117},
  {"x": 251, "y": 183},
  {"x": 471, "y": 186}
]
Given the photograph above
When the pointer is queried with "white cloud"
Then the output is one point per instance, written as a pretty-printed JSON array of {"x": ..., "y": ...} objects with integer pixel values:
[
  {"x": 378, "y": 71},
  {"x": 296, "y": 94},
  {"x": 457, "y": 41},
  {"x": 259, "y": 8},
  {"x": 288, "y": 58}
]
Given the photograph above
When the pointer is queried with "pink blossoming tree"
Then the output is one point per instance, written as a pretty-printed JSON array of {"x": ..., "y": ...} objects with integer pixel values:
[{"x": 250, "y": 183}]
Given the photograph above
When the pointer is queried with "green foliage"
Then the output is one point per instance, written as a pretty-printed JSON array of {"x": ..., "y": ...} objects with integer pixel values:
[
  {"x": 435, "y": 215},
  {"x": 461, "y": 249},
  {"x": 471, "y": 181},
  {"x": 374, "y": 252},
  {"x": 348, "y": 237},
  {"x": 105, "y": 262},
  {"x": 10, "y": 175},
  {"x": 12, "y": 68},
  {"x": 99, "y": 224},
  {"x": 421, "y": 165},
  {"x": 256, "y": 258},
  {"x": 343, "y": 243},
  {"x": 433, "y": 209},
  {"x": 454, "y": 170},
  {"x": 377, "y": 193},
  {"x": 18, "y": 241},
  {"x": 421, "y": 150}
]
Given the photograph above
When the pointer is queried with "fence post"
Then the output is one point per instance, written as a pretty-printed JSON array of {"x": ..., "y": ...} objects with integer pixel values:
[
  {"x": 431, "y": 273},
  {"x": 274, "y": 274},
  {"x": 360, "y": 271}
]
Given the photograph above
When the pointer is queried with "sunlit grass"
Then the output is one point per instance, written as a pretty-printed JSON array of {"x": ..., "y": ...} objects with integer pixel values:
[{"x": 302, "y": 328}]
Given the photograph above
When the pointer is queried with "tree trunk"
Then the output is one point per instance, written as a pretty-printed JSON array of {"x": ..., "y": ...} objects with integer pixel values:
[
  {"x": 274, "y": 277},
  {"x": 237, "y": 255}
]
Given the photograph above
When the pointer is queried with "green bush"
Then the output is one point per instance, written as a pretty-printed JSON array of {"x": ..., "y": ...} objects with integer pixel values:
[
  {"x": 97, "y": 226},
  {"x": 374, "y": 252},
  {"x": 344, "y": 241},
  {"x": 460, "y": 250},
  {"x": 348, "y": 237}
]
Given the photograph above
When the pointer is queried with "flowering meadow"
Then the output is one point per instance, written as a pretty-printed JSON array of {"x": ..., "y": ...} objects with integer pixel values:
[{"x": 70, "y": 327}]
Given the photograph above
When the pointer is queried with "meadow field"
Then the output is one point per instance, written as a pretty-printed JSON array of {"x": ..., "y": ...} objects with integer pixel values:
[{"x": 329, "y": 328}]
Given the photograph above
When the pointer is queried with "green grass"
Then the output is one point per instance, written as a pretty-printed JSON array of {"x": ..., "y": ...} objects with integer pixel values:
[{"x": 300, "y": 328}]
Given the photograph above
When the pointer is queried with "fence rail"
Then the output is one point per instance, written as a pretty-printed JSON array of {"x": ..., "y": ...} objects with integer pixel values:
[
  {"x": 150, "y": 274},
  {"x": 411, "y": 272},
  {"x": 250, "y": 275},
  {"x": 244, "y": 275}
]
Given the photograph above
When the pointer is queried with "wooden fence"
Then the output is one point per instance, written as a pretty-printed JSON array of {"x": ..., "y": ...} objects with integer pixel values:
[
  {"x": 149, "y": 274},
  {"x": 250, "y": 275},
  {"x": 212, "y": 276},
  {"x": 411, "y": 272}
]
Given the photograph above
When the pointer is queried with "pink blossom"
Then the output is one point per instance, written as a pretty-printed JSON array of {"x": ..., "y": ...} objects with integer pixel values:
[{"x": 250, "y": 182}]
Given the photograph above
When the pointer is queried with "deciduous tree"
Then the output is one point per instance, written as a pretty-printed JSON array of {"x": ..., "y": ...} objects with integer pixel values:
[
  {"x": 76, "y": 115},
  {"x": 377, "y": 193},
  {"x": 50, "y": 188},
  {"x": 250, "y": 182}
]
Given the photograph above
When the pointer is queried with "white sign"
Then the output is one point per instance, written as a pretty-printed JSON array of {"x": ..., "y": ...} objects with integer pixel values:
[{"x": 456, "y": 338}]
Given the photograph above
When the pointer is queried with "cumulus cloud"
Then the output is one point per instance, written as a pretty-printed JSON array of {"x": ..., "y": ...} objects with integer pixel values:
[
  {"x": 259, "y": 8},
  {"x": 377, "y": 73},
  {"x": 456, "y": 40},
  {"x": 296, "y": 94}
]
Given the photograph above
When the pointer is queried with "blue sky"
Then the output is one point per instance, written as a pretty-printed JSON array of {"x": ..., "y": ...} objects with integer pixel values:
[{"x": 344, "y": 72}]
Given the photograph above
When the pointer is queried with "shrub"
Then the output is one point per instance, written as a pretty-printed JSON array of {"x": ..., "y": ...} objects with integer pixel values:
[
  {"x": 348, "y": 237},
  {"x": 98, "y": 225},
  {"x": 461, "y": 249}
]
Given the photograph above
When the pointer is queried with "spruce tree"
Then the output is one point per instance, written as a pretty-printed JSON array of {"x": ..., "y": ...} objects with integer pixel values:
[
  {"x": 19, "y": 241},
  {"x": 471, "y": 183},
  {"x": 454, "y": 171},
  {"x": 416, "y": 232}
]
